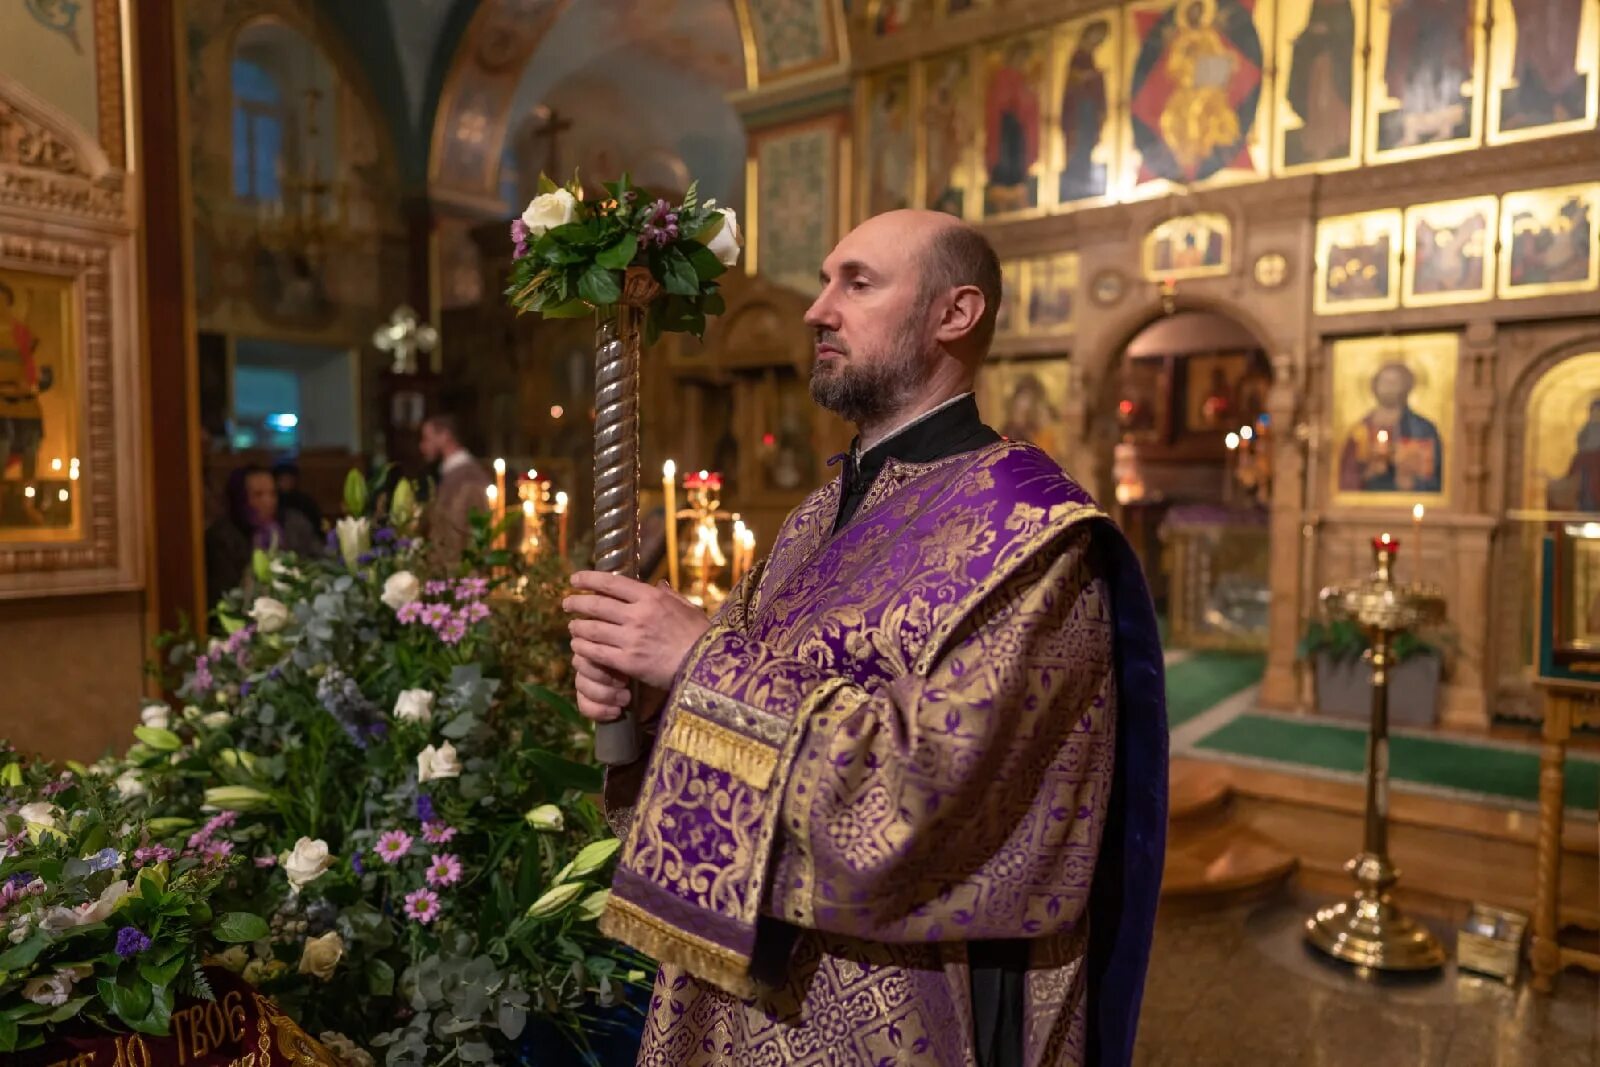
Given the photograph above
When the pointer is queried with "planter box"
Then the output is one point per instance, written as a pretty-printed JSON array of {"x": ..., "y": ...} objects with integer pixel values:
[{"x": 1344, "y": 690}]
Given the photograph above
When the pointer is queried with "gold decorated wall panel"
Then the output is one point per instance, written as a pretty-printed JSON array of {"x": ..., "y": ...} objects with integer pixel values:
[{"x": 1112, "y": 103}]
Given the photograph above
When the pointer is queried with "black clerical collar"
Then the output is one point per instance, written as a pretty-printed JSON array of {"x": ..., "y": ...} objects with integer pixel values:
[{"x": 948, "y": 430}]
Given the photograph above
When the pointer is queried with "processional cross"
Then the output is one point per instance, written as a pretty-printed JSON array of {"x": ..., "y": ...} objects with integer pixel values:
[{"x": 404, "y": 337}]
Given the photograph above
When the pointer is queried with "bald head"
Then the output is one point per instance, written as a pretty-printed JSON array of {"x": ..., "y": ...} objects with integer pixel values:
[
  {"x": 948, "y": 254},
  {"x": 905, "y": 316}
]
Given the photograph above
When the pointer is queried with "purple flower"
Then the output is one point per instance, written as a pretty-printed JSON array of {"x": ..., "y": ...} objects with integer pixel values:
[
  {"x": 436, "y": 588},
  {"x": 217, "y": 851},
  {"x": 153, "y": 854},
  {"x": 410, "y": 613},
  {"x": 244, "y": 689},
  {"x": 393, "y": 845},
  {"x": 473, "y": 588},
  {"x": 425, "y": 812},
  {"x": 266, "y": 861},
  {"x": 131, "y": 942},
  {"x": 356, "y": 864},
  {"x": 519, "y": 234},
  {"x": 422, "y": 906},
  {"x": 384, "y": 535},
  {"x": 444, "y": 869},
  {"x": 104, "y": 860}
]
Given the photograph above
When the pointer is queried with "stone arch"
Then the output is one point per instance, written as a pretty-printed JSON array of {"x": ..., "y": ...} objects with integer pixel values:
[
  {"x": 781, "y": 38},
  {"x": 1098, "y": 354}
]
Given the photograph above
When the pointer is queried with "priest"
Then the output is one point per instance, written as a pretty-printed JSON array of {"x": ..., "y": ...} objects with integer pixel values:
[{"x": 905, "y": 799}]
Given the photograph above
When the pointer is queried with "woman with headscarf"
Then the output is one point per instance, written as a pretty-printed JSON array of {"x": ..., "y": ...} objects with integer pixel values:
[{"x": 253, "y": 520}]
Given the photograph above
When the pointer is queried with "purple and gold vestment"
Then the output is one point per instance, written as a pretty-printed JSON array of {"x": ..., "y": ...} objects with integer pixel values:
[{"x": 943, "y": 724}]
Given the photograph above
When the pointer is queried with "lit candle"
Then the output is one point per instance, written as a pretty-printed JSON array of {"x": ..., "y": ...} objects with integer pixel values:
[
  {"x": 1416, "y": 528},
  {"x": 738, "y": 549},
  {"x": 561, "y": 523},
  {"x": 500, "y": 497},
  {"x": 669, "y": 486},
  {"x": 530, "y": 530}
]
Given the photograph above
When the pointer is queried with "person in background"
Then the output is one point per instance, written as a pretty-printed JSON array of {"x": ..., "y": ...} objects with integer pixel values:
[
  {"x": 292, "y": 498},
  {"x": 462, "y": 480},
  {"x": 253, "y": 519}
]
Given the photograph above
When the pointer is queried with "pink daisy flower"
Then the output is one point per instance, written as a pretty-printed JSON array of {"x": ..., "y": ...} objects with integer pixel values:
[
  {"x": 422, "y": 905},
  {"x": 410, "y": 613},
  {"x": 217, "y": 851},
  {"x": 444, "y": 869},
  {"x": 266, "y": 861},
  {"x": 437, "y": 833},
  {"x": 393, "y": 846}
]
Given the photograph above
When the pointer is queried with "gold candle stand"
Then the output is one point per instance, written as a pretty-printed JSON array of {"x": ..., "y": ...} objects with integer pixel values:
[{"x": 1367, "y": 929}]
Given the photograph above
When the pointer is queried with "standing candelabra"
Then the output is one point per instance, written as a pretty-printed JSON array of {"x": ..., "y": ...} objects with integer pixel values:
[
  {"x": 702, "y": 556},
  {"x": 1367, "y": 929}
]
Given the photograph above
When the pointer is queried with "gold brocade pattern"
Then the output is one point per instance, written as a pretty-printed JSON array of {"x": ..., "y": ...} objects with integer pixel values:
[{"x": 897, "y": 745}]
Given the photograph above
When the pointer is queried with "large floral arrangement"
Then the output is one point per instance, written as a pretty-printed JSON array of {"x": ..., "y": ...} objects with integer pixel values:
[
  {"x": 101, "y": 923},
  {"x": 414, "y": 828},
  {"x": 571, "y": 254}
]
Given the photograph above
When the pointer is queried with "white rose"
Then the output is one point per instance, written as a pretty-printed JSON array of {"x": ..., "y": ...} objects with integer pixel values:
[
  {"x": 157, "y": 715},
  {"x": 234, "y": 959},
  {"x": 549, "y": 210},
  {"x": 270, "y": 615},
  {"x": 725, "y": 245},
  {"x": 216, "y": 720},
  {"x": 321, "y": 955},
  {"x": 128, "y": 786},
  {"x": 438, "y": 762},
  {"x": 306, "y": 863},
  {"x": 401, "y": 589},
  {"x": 41, "y": 813},
  {"x": 95, "y": 911},
  {"x": 52, "y": 991},
  {"x": 414, "y": 705},
  {"x": 355, "y": 538}
]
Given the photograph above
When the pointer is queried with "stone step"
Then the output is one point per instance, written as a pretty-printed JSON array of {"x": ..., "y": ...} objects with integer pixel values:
[{"x": 1211, "y": 860}]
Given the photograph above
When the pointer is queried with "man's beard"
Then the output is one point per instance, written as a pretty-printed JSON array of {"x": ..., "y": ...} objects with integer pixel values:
[{"x": 867, "y": 393}]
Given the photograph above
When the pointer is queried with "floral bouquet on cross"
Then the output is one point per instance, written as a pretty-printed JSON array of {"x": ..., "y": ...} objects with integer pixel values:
[{"x": 572, "y": 256}]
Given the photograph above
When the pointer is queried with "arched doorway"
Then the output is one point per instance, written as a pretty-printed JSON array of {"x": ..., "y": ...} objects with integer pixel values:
[{"x": 1180, "y": 436}]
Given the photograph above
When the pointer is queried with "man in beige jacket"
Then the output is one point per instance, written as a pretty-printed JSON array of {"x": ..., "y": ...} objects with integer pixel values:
[{"x": 460, "y": 491}]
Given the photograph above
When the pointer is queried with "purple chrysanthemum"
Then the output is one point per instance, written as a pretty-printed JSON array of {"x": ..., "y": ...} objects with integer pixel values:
[
  {"x": 425, "y": 812},
  {"x": 444, "y": 869},
  {"x": 422, "y": 905},
  {"x": 131, "y": 941},
  {"x": 519, "y": 235},
  {"x": 393, "y": 845}
]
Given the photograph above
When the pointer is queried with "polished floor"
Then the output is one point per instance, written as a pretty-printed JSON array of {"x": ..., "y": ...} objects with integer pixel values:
[{"x": 1239, "y": 987}]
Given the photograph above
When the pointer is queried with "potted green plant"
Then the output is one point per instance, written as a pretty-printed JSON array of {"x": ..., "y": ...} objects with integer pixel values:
[{"x": 1337, "y": 650}]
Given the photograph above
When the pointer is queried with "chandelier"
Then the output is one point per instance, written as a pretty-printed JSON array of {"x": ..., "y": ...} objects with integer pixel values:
[{"x": 312, "y": 210}]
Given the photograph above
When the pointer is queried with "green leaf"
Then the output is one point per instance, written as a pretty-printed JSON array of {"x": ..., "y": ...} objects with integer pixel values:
[
  {"x": 158, "y": 739},
  {"x": 67, "y": 1010},
  {"x": 162, "y": 975},
  {"x": 570, "y": 309},
  {"x": 600, "y": 286},
  {"x": 558, "y": 773},
  {"x": 546, "y": 185},
  {"x": 705, "y": 262},
  {"x": 8, "y": 1034},
  {"x": 619, "y": 255},
  {"x": 678, "y": 274},
  {"x": 129, "y": 998},
  {"x": 380, "y": 978},
  {"x": 14, "y": 959},
  {"x": 238, "y": 927}
]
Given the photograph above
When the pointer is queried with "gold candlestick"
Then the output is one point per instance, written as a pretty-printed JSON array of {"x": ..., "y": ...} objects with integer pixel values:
[
  {"x": 1367, "y": 929},
  {"x": 669, "y": 486}
]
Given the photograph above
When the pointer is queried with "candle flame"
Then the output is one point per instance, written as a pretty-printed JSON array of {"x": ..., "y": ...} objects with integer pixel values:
[
  {"x": 1233, "y": 441},
  {"x": 527, "y": 508},
  {"x": 669, "y": 470},
  {"x": 561, "y": 501},
  {"x": 499, "y": 466},
  {"x": 1383, "y": 437},
  {"x": 1417, "y": 512},
  {"x": 491, "y": 492}
]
